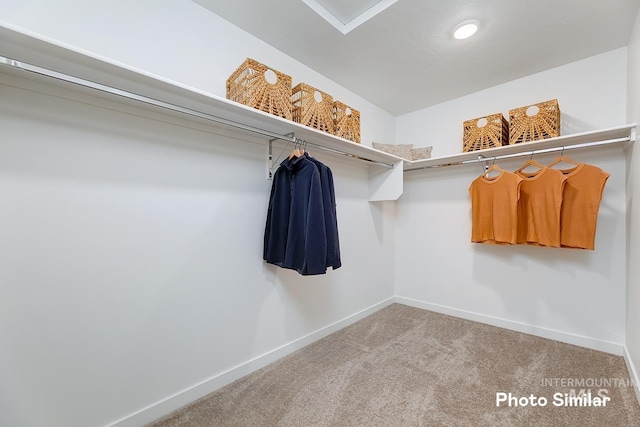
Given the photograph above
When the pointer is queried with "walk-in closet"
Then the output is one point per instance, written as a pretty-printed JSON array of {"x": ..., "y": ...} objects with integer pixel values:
[{"x": 171, "y": 254}]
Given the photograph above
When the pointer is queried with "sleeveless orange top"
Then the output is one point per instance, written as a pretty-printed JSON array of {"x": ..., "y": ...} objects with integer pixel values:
[
  {"x": 580, "y": 205},
  {"x": 494, "y": 206},
  {"x": 541, "y": 195}
]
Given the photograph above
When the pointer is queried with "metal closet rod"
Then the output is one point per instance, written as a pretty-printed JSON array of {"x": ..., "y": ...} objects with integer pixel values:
[
  {"x": 482, "y": 159},
  {"x": 23, "y": 66}
]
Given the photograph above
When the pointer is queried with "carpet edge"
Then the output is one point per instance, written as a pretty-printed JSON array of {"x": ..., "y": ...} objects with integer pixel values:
[
  {"x": 177, "y": 400},
  {"x": 568, "y": 338}
]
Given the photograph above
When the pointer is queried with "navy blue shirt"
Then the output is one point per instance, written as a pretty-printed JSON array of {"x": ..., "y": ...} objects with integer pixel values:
[
  {"x": 295, "y": 234},
  {"x": 330, "y": 216}
]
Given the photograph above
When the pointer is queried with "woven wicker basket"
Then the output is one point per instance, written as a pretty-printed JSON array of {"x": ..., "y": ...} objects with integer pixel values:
[
  {"x": 312, "y": 107},
  {"x": 258, "y": 86},
  {"x": 485, "y": 132},
  {"x": 346, "y": 122},
  {"x": 528, "y": 125}
]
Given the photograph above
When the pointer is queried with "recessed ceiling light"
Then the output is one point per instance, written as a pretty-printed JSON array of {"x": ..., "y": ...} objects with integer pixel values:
[{"x": 465, "y": 29}]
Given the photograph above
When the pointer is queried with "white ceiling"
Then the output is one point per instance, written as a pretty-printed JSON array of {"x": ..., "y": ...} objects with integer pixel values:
[{"x": 403, "y": 58}]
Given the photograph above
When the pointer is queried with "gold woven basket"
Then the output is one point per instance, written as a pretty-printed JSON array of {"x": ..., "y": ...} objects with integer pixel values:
[
  {"x": 533, "y": 122},
  {"x": 258, "y": 86},
  {"x": 346, "y": 122},
  {"x": 485, "y": 132},
  {"x": 312, "y": 107}
]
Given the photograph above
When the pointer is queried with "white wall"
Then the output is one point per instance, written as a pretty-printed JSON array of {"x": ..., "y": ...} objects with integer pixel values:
[
  {"x": 590, "y": 94},
  {"x": 131, "y": 245},
  {"x": 571, "y": 295},
  {"x": 178, "y": 40},
  {"x": 633, "y": 206}
]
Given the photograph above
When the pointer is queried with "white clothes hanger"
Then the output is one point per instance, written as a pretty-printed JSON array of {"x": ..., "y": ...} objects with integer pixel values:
[
  {"x": 493, "y": 171},
  {"x": 530, "y": 166},
  {"x": 563, "y": 162}
]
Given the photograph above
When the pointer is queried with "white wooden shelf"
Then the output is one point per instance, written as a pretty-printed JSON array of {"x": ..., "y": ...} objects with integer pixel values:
[
  {"x": 618, "y": 135},
  {"x": 34, "y": 58},
  {"x": 37, "y": 59}
]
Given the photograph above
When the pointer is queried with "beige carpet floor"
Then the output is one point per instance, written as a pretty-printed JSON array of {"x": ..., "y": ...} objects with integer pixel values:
[{"x": 403, "y": 366}]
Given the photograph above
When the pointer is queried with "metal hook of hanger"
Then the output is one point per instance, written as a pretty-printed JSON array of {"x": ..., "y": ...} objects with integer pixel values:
[
  {"x": 483, "y": 163},
  {"x": 270, "y": 161}
]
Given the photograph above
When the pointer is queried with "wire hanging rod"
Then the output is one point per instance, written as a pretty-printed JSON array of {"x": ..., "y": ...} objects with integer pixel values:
[
  {"x": 23, "y": 66},
  {"x": 482, "y": 159}
]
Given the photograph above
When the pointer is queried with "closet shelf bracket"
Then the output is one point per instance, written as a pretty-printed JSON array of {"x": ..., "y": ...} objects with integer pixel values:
[{"x": 298, "y": 142}]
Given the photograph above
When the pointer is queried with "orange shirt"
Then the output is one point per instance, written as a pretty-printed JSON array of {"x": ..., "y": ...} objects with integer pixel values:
[
  {"x": 539, "y": 207},
  {"x": 494, "y": 206},
  {"x": 580, "y": 205}
]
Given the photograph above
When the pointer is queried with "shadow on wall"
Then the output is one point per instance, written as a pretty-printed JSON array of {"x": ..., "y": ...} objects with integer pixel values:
[
  {"x": 306, "y": 300},
  {"x": 377, "y": 214},
  {"x": 631, "y": 171},
  {"x": 570, "y": 125},
  {"x": 102, "y": 145}
]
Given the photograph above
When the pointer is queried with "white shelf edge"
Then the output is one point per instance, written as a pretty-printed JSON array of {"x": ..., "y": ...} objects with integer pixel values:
[
  {"x": 27, "y": 47},
  {"x": 87, "y": 66},
  {"x": 624, "y": 131}
]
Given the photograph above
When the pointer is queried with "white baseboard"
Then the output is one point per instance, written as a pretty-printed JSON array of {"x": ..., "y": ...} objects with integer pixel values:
[
  {"x": 182, "y": 398},
  {"x": 633, "y": 373},
  {"x": 578, "y": 340}
]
